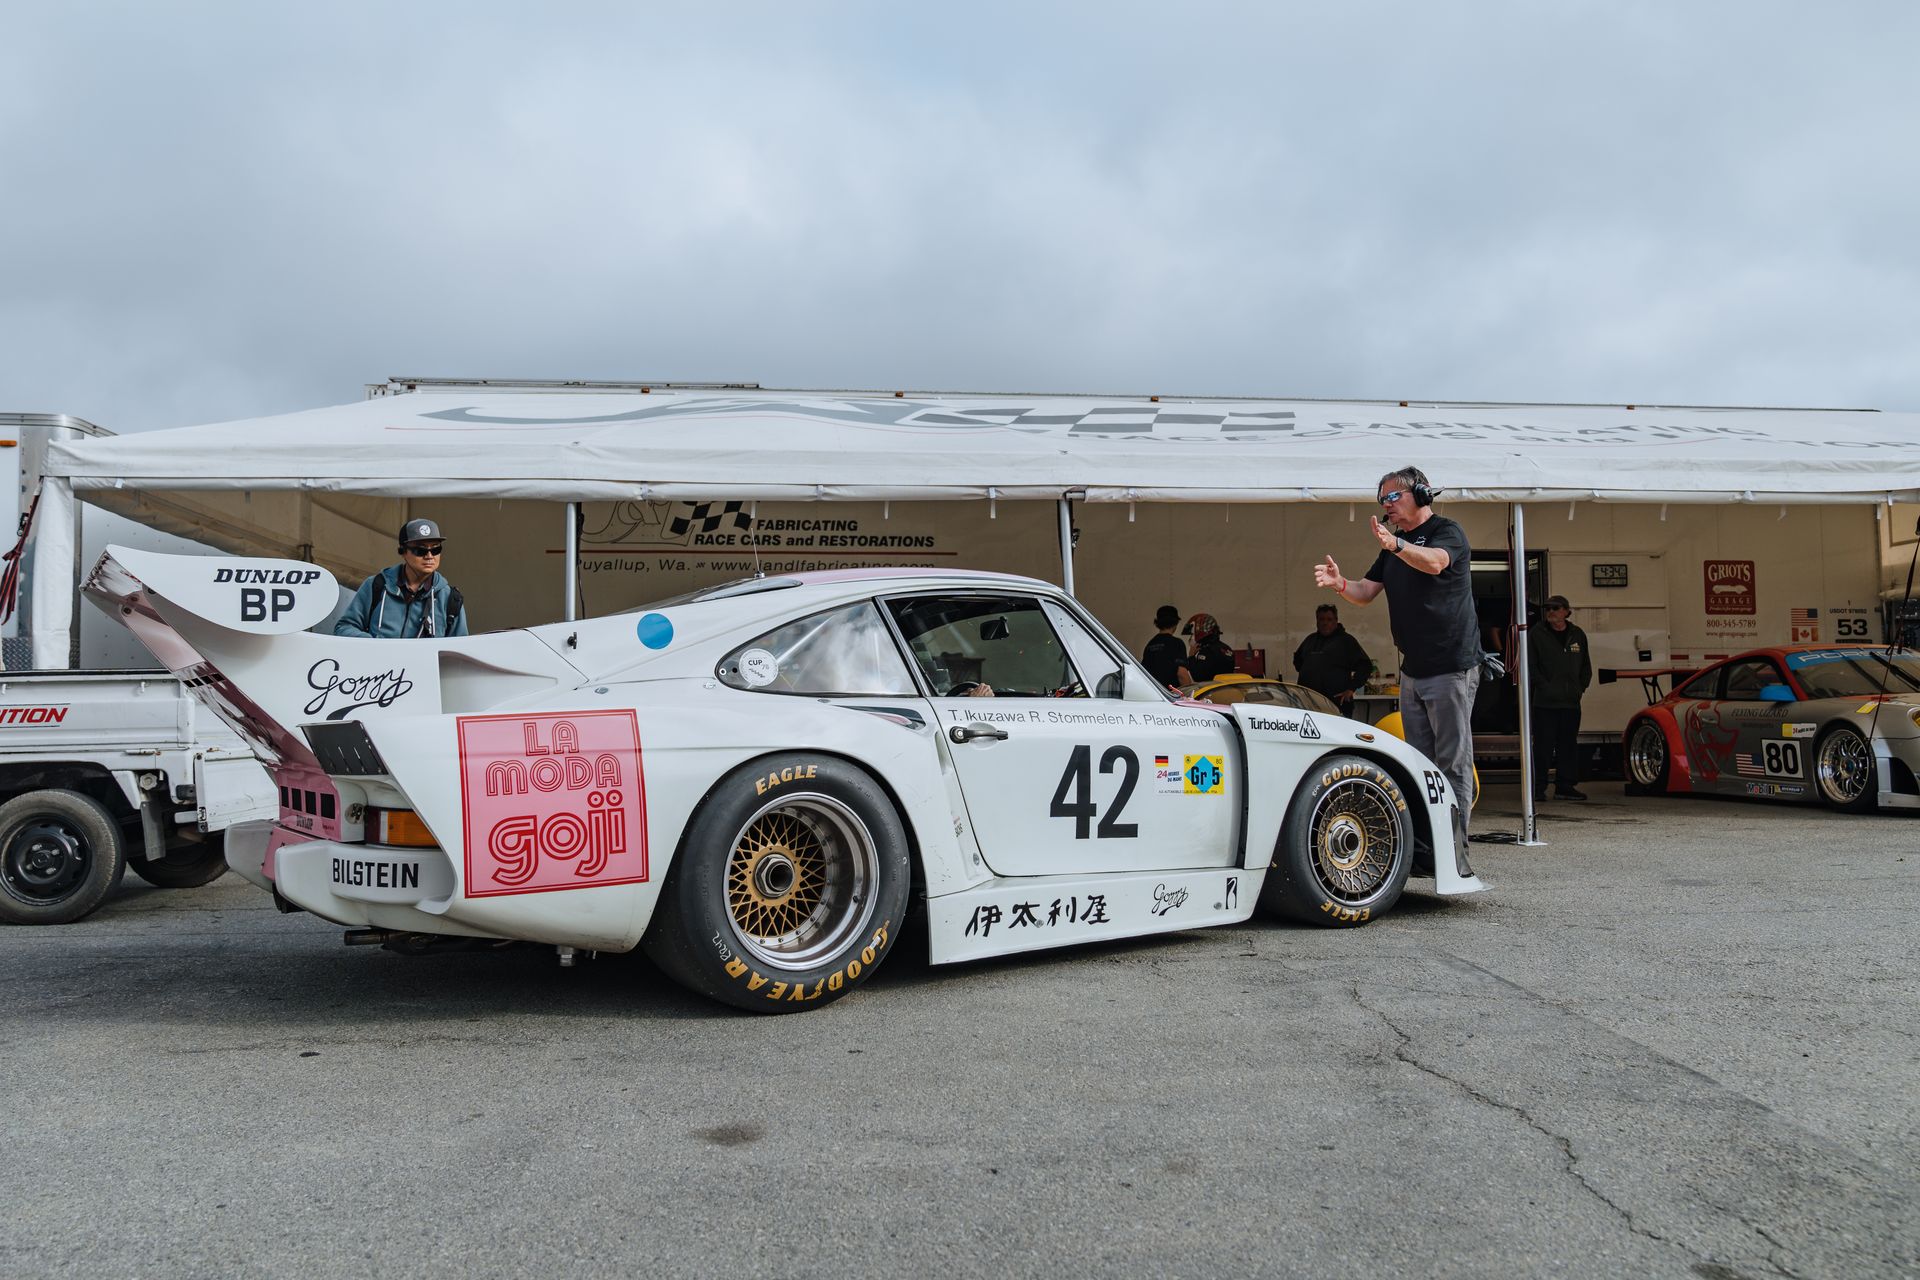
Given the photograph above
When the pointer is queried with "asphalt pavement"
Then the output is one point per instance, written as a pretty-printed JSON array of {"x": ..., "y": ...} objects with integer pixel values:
[{"x": 1676, "y": 1040}]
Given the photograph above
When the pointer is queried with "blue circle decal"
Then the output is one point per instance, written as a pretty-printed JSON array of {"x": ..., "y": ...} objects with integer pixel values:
[{"x": 655, "y": 630}]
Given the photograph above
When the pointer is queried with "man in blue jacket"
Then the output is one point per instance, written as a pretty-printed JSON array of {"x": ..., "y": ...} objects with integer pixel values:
[{"x": 412, "y": 598}]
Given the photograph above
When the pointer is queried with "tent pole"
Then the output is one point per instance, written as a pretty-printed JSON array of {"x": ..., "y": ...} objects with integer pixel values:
[
  {"x": 573, "y": 561},
  {"x": 1066, "y": 543},
  {"x": 1517, "y": 575}
]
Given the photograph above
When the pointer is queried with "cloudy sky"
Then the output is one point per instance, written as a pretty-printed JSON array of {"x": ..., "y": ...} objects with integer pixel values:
[{"x": 211, "y": 211}]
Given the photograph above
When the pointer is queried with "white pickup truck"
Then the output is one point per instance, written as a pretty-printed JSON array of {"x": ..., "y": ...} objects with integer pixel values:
[
  {"x": 107, "y": 766},
  {"x": 105, "y": 770}
]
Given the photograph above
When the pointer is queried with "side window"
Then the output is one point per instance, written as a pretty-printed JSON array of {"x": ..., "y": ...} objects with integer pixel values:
[
  {"x": 1746, "y": 679},
  {"x": 840, "y": 651},
  {"x": 1704, "y": 685},
  {"x": 1099, "y": 669},
  {"x": 1003, "y": 642}
]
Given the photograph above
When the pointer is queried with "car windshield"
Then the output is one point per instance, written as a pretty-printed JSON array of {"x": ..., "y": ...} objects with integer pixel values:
[{"x": 1854, "y": 673}]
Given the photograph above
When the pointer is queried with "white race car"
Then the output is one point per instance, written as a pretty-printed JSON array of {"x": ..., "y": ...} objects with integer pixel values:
[{"x": 759, "y": 783}]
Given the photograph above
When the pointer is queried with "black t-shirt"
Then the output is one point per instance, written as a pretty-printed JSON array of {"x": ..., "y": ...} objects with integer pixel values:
[
  {"x": 1161, "y": 657},
  {"x": 1210, "y": 660},
  {"x": 1433, "y": 619}
]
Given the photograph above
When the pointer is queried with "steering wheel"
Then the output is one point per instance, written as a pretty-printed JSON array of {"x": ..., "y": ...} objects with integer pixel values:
[{"x": 964, "y": 689}]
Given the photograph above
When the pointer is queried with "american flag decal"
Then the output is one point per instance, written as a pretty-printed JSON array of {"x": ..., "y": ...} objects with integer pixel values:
[
  {"x": 1804, "y": 626},
  {"x": 709, "y": 517},
  {"x": 1746, "y": 766}
]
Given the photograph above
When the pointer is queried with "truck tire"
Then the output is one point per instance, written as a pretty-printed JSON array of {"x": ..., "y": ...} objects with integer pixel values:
[
  {"x": 1345, "y": 848},
  {"x": 61, "y": 854},
  {"x": 789, "y": 888},
  {"x": 188, "y": 865}
]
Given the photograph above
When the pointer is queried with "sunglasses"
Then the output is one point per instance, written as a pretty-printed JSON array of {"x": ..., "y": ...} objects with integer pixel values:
[
  {"x": 1392, "y": 496},
  {"x": 424, "y": 548}
]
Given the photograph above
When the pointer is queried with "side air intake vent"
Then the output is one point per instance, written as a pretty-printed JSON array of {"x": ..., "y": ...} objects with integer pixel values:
[{"x": 344, "y": 749}]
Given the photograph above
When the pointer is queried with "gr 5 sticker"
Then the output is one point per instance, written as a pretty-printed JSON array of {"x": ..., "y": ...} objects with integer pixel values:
[
  {"x": 1204, "y": 775},
  {"x": 552, "y": 801}
]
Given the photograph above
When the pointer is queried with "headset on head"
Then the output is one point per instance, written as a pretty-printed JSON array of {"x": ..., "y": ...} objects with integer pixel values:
[{"x": 1423, "y": 493}]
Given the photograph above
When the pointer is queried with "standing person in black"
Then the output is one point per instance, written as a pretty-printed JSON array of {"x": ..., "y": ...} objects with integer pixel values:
[
  {"x": 1425, "y": 567},
  {"x": 1330, "y": 661},
  {"x": 1211, "y": 658},
  {"x": 1562, "y": 668},
  {"x": 1165, "y": 652}
]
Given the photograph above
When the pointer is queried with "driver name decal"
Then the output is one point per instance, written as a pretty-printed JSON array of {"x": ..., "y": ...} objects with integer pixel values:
[{"x": 552, "y": 801}]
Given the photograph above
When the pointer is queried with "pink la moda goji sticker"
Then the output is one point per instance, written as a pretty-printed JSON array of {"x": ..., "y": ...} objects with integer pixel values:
[{"x": 552, "y": 801}]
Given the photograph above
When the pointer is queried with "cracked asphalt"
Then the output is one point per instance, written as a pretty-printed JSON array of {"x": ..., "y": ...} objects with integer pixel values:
[{"x": 1677, "y": 1040}]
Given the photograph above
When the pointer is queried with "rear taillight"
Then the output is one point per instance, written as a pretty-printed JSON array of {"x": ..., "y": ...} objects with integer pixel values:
[{"x": 398, "y": 827}]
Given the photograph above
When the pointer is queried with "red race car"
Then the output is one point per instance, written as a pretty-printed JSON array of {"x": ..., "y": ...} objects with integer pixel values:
[{"x": 1838, "y": 724}]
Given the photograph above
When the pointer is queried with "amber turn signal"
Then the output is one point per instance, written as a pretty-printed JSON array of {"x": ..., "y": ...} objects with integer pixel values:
[{"x": 398, "y": 827}]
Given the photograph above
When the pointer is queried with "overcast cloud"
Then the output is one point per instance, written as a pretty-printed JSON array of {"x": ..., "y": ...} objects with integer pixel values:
[{"x": 214, "y": 211}]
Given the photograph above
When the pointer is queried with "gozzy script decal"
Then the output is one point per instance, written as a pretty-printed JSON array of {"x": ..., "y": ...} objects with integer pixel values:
[{"x": 552, "y": 802}]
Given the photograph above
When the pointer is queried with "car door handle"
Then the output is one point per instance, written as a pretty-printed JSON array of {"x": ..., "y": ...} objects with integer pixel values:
[{"x": 968, "y": 732}]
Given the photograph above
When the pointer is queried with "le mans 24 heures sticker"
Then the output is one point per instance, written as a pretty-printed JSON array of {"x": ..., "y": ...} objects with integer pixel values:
[{"x": 552, "y": 801}]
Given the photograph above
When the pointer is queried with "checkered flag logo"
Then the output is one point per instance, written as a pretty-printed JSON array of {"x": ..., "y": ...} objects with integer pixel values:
[{"x": 709, "y": 517}]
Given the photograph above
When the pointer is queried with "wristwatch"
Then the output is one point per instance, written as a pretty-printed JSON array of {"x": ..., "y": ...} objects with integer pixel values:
[{"x": 1399, "y": 545}]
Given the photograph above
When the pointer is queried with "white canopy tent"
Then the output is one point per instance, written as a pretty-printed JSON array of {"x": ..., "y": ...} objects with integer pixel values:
[
  {"x": 315, "y": 483},
  {"x": 566, "y": 445}
]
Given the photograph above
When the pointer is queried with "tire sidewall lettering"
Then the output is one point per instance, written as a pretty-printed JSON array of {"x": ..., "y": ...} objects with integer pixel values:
[{"x": 810, "y": 987}]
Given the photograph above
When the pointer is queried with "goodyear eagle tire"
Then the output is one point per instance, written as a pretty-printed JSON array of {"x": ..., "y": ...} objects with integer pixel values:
[
  {"x": 1648, "y": 759},
  {"x": 1345, "y": 848},
  {"x": 61, "y": 854},
  {"x": 1844, "y": 772},
  {"x": 187, "y": 865},
  {"x": 789, "y": 888}
]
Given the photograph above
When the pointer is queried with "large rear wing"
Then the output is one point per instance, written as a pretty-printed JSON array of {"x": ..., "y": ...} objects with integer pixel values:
[
  {"x": 233, "y": 630},
  {"x": 1649, "y": 678}
]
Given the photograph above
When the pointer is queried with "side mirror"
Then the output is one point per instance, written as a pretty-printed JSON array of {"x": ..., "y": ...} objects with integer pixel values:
[{"x": 1776, "y": 693}]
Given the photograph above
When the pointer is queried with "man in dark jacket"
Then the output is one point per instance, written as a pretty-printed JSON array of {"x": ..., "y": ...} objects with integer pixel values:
[
  {"x": 411, "y": 599},
  {"x": 1561, "y": 668},
  {"x": 1330, "y": 661}
]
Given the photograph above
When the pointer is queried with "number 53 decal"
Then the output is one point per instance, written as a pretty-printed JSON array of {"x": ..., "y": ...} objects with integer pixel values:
[{"x": 1078, "y": 779}]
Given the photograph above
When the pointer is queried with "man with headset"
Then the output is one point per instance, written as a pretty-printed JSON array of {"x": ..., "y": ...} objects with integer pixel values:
[
  {"x": 411, "y": 599},
  {"x": 1425, "y": 567}
]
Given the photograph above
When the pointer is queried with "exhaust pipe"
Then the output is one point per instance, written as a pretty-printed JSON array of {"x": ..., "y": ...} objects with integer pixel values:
[{"x": 369, "y": 937}]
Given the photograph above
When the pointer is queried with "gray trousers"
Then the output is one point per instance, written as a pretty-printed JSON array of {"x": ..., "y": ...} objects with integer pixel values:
[{"x": 1438, "y": 714}]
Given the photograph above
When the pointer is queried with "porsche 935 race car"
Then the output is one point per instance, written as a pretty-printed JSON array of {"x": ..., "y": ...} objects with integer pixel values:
[
  {"x": 759, "y": 781},
  {"x": 1838, "y": 724}
]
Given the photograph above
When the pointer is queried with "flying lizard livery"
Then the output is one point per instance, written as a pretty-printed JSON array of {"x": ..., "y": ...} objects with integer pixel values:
[
  {"x": 764, "y": 784},
  {"x": 1836, "y": 724}
]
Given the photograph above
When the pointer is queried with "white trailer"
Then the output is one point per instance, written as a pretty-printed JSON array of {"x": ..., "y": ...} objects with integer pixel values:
[{"x": 107, "y": 764}]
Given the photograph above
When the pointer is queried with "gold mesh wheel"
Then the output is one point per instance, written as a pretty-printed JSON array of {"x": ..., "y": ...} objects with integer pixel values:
[
  {"x": 1356, "y": 839},
  {"x": 800, "y": 880}
]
